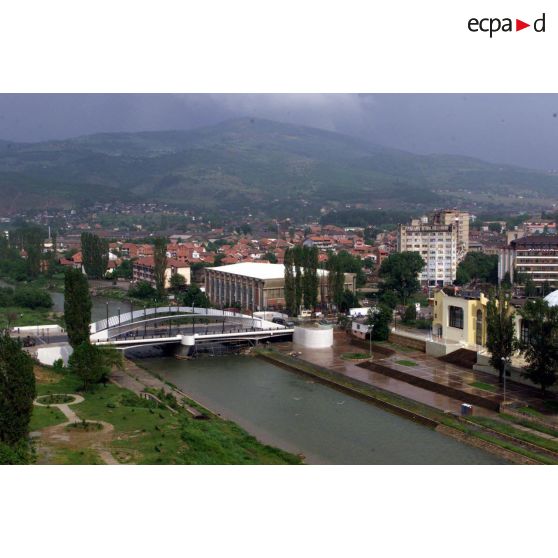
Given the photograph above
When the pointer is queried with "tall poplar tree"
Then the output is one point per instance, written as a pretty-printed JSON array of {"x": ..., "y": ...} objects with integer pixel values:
[
  {"x": 310, "y": 278},
  {"x": 290, "y": 288},
  {"x": 77, "y": 307},
  {"x": 160, "y": 264},
  {"x": 500, "y": 331},
  {"x": 335, "y": 280},
  {"x": 95, "y": 255},
  {"x": 298, "y": 263}
]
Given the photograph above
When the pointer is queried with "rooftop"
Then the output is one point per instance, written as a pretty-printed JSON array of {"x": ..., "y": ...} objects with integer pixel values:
[
  {"x": 257, "y": 270},
  {"x": 539, "y": 240}
]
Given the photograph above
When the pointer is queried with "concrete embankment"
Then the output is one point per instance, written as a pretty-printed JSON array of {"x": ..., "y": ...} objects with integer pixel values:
[
  {"x": 351, "y": 386},
  {"x": 418, "y": 412},
  {"x": 488, "y": 402}
]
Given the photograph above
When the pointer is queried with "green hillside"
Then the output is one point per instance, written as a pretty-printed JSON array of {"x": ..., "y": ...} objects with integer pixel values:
[{"x": 254, "y": 164}]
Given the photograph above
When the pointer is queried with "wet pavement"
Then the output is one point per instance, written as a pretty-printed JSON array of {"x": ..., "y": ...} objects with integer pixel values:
[{"x": 427, "y": 367}]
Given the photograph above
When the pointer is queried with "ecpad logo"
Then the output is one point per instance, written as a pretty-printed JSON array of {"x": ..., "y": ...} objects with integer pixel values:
[{"x": 493, "y": 25}]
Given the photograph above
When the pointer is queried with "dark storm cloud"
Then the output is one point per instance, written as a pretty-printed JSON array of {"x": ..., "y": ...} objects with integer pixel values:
[{"x": 520, "y": 129}]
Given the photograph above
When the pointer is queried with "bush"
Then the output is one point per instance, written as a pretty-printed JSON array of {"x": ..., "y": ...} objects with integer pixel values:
[
  {"x": 6, "y": 297},
  {"x": 93, "y": 364},
  {"x": 142, "y": 289},
  {"x": 410, "y": 315},
  {"x": 58, "y": 365},
  {"x": 31, "y": 297},
  {"x": 17, "y": 454}
]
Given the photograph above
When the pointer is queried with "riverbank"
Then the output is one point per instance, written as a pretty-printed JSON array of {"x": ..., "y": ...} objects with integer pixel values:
[
  {"x": 156, "y": 430},
  {"x": 473, "y": 432}
]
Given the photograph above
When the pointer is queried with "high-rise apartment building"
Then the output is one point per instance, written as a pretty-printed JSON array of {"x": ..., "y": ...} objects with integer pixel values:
[
  {"x": 442, "y": 241},
  {"x": 533, "y": 256},
  {"x": 460, "y": 221}
]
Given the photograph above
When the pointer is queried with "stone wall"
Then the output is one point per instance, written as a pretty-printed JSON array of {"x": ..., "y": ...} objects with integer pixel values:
[{"x": 418, "y": 344}]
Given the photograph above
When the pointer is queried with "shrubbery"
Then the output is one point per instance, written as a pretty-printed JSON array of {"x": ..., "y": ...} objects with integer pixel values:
[
  {"x": 26, "y": 297},
  {"x": 142, "y": 289}
]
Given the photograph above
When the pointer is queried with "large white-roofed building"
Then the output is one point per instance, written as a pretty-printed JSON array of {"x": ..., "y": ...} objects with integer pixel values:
[{"x": 257, "y": 286}]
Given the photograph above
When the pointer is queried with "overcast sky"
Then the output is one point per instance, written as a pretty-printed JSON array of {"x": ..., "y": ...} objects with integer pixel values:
[{"x": 516, "y": 129}]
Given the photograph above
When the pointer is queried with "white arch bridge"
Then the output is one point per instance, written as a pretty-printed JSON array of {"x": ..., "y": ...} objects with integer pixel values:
[{"x": 182, "y": 325}]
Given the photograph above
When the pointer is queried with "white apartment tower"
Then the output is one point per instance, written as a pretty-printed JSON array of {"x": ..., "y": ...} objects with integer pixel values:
[{"x": 442, "y": 241}]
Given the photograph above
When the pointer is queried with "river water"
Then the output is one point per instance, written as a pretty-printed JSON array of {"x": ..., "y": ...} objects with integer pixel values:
[
  {"x": 98, "y": 309},
  {"x": 291, "y": 411}
]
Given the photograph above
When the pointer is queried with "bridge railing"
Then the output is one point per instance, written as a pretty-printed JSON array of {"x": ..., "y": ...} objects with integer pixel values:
[
  {"x": 134, "y": 335},
  {"x": 139, "y": 315}
]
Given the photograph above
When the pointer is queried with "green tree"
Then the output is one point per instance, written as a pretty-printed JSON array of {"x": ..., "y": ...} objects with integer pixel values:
[
  {"x": 477, "y": 266},
  {"x": 500, "y": 331},
  {"x": 77, "y": 306},
  {"x": 94, "y": 251},
  {"x": 410, "y": 316},
  {"x": 270, "y": 257},
  {"x": 349, "y": 300},
  {"x": 352, "y": 264},
  {"x": 399, "y": 273},
  {"x": 194, "y": 296},
  {"x": 34, "y": 248},
  {"x": 310, "y": 279},
  {"x": 31, "y": 297},
  {"x": 298, "y": 270},
  {"x": 17, "y": 391},
  {"x": 177, "y": 282},
  {"x": 124, "y": 270},
  {"x": 389, "y": 299},
  {"x": 160, "y": 264},
  {"x": 335, "y": 280},
  {"x": 379, "y": 318},
  {"x": 92, "y": 364},
  {"x": 541, "y": 346},
  {"x": 142, "y": 289},
  {"x": 29, "y": 238},
  {"x": 290, "y": 287}
]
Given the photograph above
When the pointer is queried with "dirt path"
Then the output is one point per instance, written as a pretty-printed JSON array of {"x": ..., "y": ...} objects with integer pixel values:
[{"x": 73, "y": 438}]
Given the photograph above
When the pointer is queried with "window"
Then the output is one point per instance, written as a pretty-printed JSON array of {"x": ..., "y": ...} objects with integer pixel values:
[{"x": 456, "y": 317}]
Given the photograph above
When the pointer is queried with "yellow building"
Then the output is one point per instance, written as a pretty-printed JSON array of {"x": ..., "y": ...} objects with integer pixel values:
[{"x": 460, "y": 318}]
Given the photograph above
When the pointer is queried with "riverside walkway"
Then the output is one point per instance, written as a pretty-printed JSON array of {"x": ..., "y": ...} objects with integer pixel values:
[{"x": 423, "y": 367}]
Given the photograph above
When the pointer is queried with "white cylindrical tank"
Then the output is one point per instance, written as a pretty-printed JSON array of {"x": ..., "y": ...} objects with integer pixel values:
[{"x": 313, "y": 337}]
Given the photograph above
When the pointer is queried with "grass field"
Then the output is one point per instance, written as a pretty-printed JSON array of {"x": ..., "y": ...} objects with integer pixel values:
[
  {"x": 19, "y": 316},
  {"x": 45, "y": 416},
  {"x": 144, "y": 433},
  {"x": 509, "y": 429},
  {"x": 483, "y": 385},
  {"x": 355, "y": 356},
  {"x": 406, "y": 362}
]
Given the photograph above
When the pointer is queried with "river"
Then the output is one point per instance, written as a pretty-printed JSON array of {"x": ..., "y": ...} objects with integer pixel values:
[
  {"x": 99, "y": 306},
  {"x": 98, "y": 309},
  {"x": 290, "y": 411},
  {"x": 293, "y": 412}
]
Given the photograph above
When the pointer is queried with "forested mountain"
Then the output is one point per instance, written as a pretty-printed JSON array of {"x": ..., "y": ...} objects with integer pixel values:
[{"x": 254, "y": 164}]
